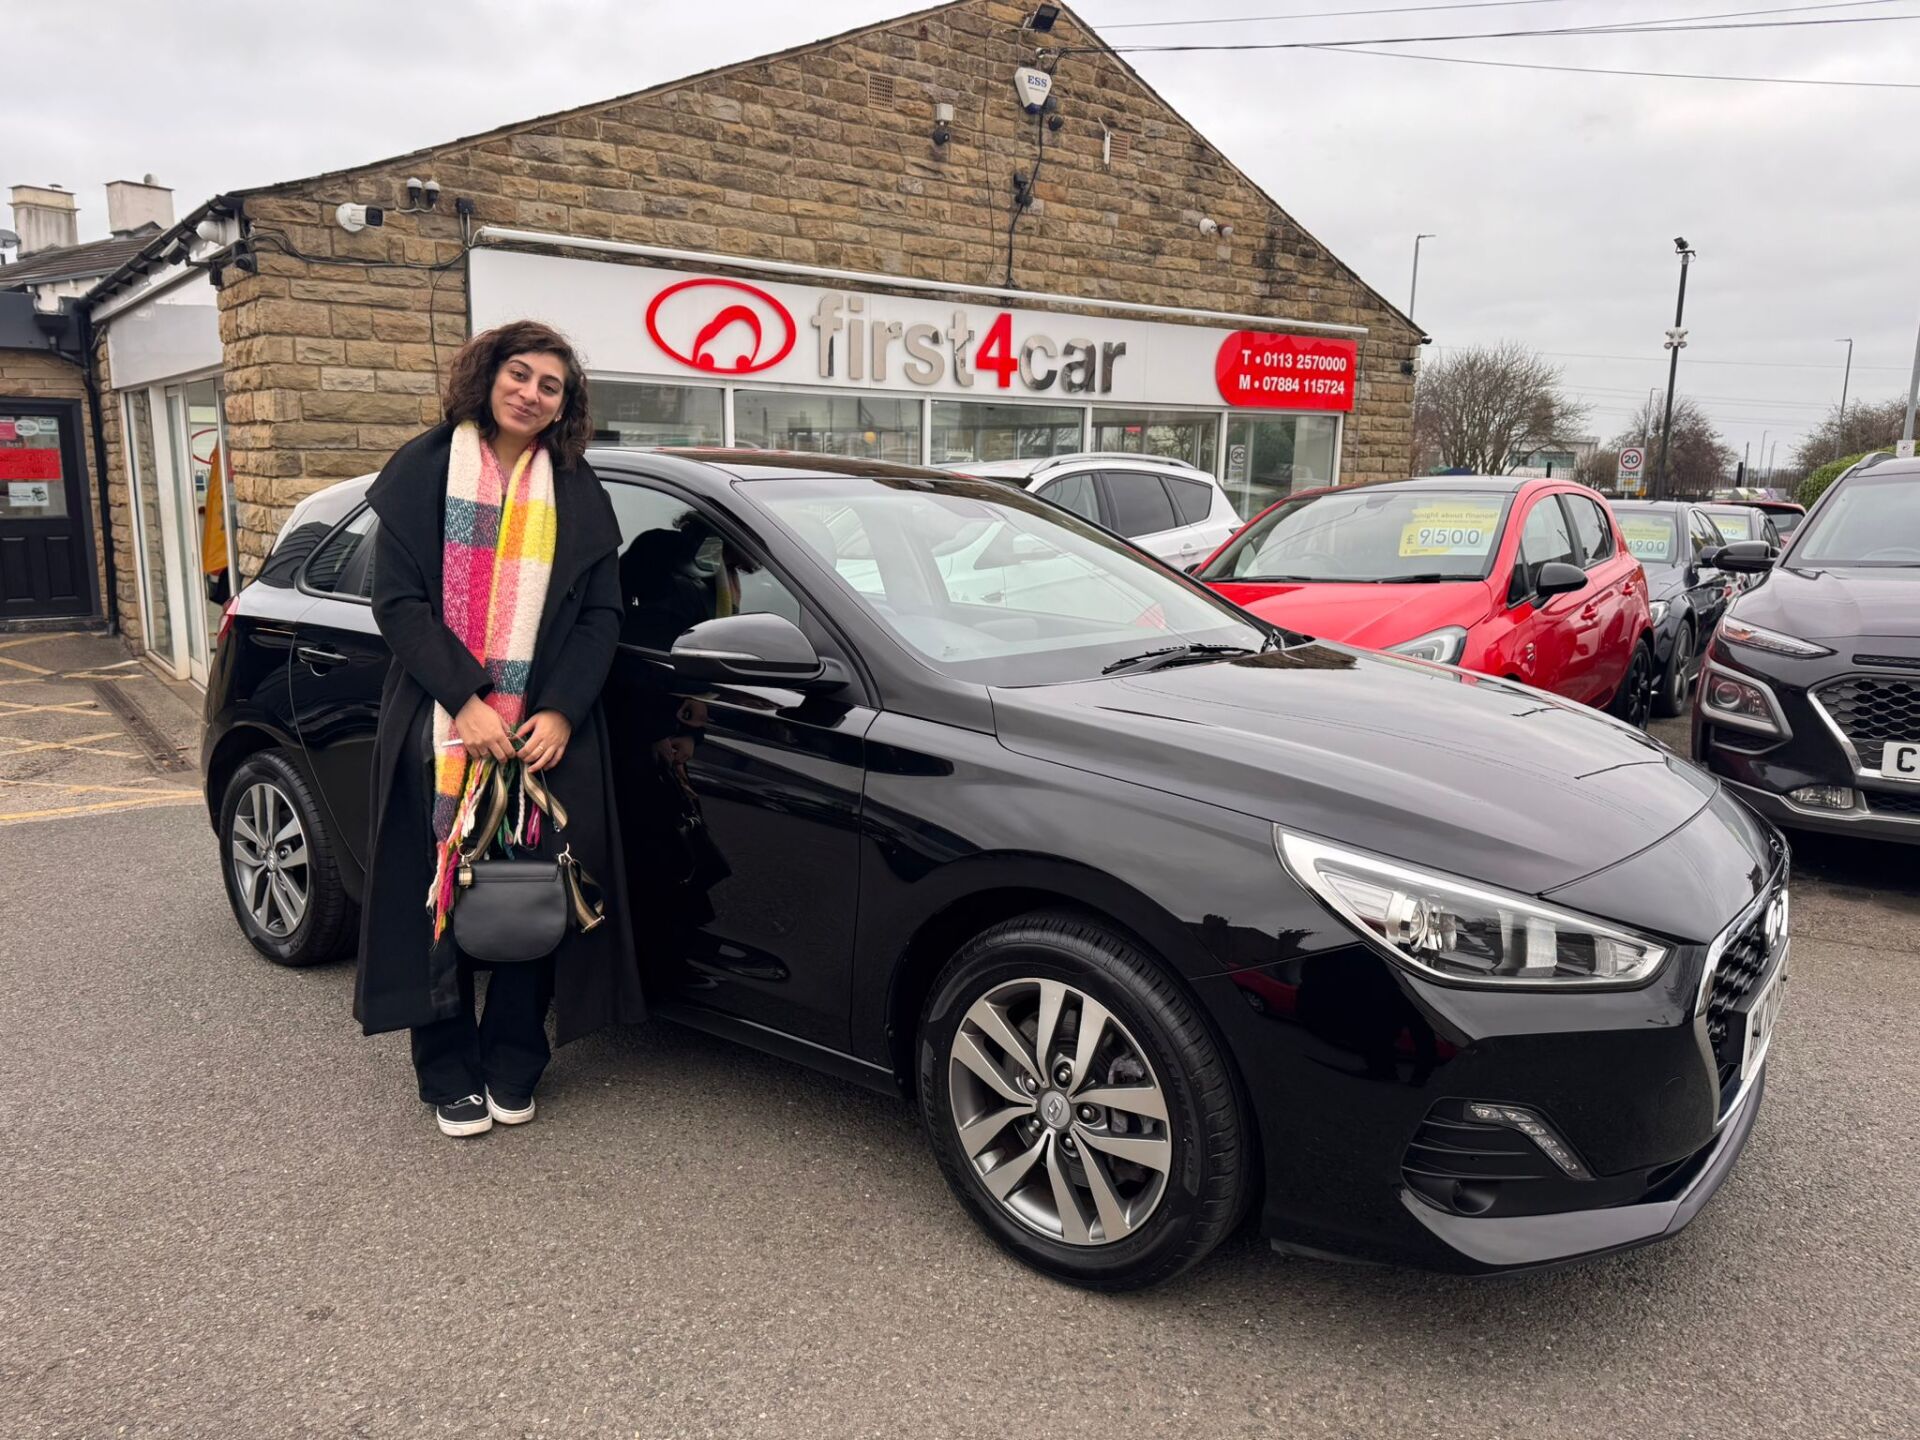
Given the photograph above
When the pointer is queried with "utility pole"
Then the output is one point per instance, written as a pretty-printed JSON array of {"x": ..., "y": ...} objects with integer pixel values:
[
  {"x": 1913, "y": 395},
  {"x": 1676, "y": 342},
  {"x": 1413, "y": 290},
  {"x": 1844, "y": 381}
]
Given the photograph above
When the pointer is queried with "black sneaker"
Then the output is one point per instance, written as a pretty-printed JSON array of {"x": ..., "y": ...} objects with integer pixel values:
[
  {"x": 511, "y": 1110},
  {"x": 466, "y": 1116}
]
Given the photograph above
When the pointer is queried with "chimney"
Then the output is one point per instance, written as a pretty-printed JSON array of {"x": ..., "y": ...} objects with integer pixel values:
[
  {"x": 133, "y": 203},
  {"x": 45, "y": 216}
]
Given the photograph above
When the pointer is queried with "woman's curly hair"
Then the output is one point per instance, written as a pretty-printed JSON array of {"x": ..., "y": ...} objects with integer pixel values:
[{"x": 469, "y": 394}]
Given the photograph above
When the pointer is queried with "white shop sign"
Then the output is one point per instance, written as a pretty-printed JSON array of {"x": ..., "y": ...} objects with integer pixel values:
[{"x": 637, "y": 320}]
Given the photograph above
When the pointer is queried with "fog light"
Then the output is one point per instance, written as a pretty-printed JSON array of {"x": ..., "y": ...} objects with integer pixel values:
[
  {"x": 1822, "y": 797},
  {"x": 1535, "y": 1129}
]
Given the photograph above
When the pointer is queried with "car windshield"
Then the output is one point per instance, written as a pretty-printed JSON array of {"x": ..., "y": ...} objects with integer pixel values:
[
  {"x": 1868, "y": 520},
  {"x": 994, "y": 586},
  {"x": 1787, "y": 521},
  {"x": 1737, "y": 524},
  {"x": 1652, "y": 538},
  {"x": 1368, "y": 535}
]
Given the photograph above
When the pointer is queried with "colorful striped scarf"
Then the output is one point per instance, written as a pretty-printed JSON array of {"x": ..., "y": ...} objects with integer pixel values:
[{"x": 497, "y": 560}]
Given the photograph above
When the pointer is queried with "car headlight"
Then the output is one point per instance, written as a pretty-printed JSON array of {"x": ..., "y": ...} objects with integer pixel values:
[
  {"x": 1657, "y": 612},
  {"x": 1771, "y": 641},
  {"x": 1452, "y": 929},
  {"x": 1739, "y": 701},
  {"x": 1442, "y": 646}
]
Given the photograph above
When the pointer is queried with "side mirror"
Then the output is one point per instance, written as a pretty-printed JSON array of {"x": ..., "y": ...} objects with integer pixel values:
[
  {"x": 1746, "y": 557},
  {"x": 748, "y": 650},
  {"x": 1709, "y": 558},
  {"x": 1557, "y": 577}
]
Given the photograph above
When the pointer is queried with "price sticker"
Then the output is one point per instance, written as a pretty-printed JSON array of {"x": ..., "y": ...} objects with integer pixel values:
[
  {"x": 1451, "y": 527},
  {"x": 1649, "y": 537}
]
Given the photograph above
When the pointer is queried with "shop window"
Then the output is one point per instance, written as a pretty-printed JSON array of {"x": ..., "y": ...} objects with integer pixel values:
[
  {"x": 1139, "y": 503},
  {"x": 628, "y": 413},
  {"x": 1270, "y": 457},
  {"x": 142, "y": 461},
  {"x": 867, "y": 427},
  {"x": 963, "y": 430},
  {"x": 1170, "y": 434}
]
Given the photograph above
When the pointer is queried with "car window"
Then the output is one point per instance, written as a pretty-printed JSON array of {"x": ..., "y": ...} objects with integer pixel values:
[
  {"x": 1543, "y": 539},
  {"x": 1736, "y": 524},
  {"x": 343, "y": 563},
  {"x": 1704, "y": 535},
  {"x": 1866, "y": 519},
  {"x": 1192, "y": 499},
  {"x": 677, "y": 569},
  {"x": 1651, "y": 536},
  {"x": 1591, "y": 527},
  {"x": 1139, "y": 503},
  {"x": 1368, "y": 535},
  {"x": 1075, "y": 493}
]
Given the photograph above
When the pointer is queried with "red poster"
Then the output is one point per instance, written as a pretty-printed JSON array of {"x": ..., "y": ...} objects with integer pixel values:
[
  {"x": 1262, "y": 371},
  {"x": 30, "y": 464},
  {"x": 8, "y": 430}
]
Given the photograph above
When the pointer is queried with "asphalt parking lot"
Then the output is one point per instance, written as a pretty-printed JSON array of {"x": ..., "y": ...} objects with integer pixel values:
[{"x": 225, "y": 1214}]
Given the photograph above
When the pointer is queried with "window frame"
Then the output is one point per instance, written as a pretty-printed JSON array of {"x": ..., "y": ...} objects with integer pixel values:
[
  {"x": 303, "y": 582},
  {"x": 1520, "y": 566},
  {"x": 1570, "y": 503}
]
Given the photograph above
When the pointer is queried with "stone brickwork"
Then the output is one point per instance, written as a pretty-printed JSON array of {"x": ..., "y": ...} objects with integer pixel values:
[
  {"x": 120, "y": 502},
  {"x": 29, "y": 375},
  {"x": 821, "y": 156}
]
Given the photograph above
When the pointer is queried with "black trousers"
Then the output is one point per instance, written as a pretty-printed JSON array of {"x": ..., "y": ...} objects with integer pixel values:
[{"x": 506, "y": 1050}]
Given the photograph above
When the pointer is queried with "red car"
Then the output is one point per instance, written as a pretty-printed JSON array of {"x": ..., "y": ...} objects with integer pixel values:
[{"x": 1522, "y": 578}]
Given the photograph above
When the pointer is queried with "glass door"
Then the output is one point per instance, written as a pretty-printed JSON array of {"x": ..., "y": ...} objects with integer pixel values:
[
  {"x": 156, "y": 540},
  {"x": 199, "y": 499},
  {"x": 1271, "y": 456}
]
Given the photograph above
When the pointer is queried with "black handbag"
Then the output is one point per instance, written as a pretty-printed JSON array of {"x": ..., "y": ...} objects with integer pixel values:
[{"x": 513, "y": 910}]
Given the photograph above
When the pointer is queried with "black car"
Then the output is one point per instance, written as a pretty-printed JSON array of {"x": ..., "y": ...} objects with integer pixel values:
[
  {"x": 1736, "y": 523},
  {"x": 1162, "y": 915},
  {"x": 1809, "y": 704},
  {"x": 1686, "y": 595}
]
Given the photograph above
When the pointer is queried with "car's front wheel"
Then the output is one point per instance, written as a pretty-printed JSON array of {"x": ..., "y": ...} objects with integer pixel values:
[
  {"x": 1079, "y": 1106},
  {"x": 277, "y": 856},
  {"x": 1633, "y": 701},
  {"x": 1676, "y": 682}
]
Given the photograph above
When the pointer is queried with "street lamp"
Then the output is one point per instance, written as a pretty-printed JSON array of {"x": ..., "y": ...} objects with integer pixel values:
[
  {"x": 1676, "y": 342},
  {"x": 1841, "y": 448},
  {"x": 1413, "y": 291}
]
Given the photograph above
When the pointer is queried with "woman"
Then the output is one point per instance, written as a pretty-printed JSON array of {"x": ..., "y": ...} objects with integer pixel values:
[{"x": 496, "y": 583}]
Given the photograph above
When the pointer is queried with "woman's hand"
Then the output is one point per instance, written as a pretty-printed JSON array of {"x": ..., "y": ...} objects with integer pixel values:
[
  {"x": 544, "y": 739},
  {"x": 482, "y": 731}
]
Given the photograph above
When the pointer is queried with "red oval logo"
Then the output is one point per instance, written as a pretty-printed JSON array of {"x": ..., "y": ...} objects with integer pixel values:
[{"x": 721, "y": 327}]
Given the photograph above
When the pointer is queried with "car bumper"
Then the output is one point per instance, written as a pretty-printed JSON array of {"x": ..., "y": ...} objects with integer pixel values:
[{"x": 1863, "y": 822}]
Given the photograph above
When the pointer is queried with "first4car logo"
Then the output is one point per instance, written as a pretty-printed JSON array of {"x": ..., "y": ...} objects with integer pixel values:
[{"x": 724, "y": 327}]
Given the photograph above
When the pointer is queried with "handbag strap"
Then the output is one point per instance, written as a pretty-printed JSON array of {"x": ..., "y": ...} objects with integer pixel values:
[{"x": 497, "y": 799}]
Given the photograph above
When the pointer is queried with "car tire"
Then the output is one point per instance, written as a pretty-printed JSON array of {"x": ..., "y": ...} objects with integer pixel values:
[
  {"x": 1676, "y": 685},
  {"x": 1151, "y": 1191},
  {"x": 1633, "y": 701},
  {"x": 277, "y": 857}
]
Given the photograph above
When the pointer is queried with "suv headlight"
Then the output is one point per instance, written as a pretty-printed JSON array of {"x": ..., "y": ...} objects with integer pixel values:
[
  {"x": 1657, "y": 612},
  {"x": 1442, "y": 646},
  {"x": 1771, "y": 641},
  {"x": 1452, "y": 929}
]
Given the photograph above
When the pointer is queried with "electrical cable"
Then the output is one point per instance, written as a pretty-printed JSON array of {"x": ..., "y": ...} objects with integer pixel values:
[
  {"x": 1643, "y": 74},
  {"x": 1024, "y": 198},
  {"x": 1598, "y": 28},
  {"x": 1332, "y": 14}
]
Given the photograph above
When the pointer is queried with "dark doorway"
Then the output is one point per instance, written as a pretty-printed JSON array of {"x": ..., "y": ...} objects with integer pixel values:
[{"x": 46, "y": 541}]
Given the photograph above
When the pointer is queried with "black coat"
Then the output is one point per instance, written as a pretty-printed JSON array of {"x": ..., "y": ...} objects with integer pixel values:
[{"x": 404, "y": 978}]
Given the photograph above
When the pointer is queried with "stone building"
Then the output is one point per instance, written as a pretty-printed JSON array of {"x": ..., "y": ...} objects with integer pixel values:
[{"x": 865, "y": 245}]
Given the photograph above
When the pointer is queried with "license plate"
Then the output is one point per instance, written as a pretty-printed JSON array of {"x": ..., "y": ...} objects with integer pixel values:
[
  {"x": 1763, "y": 1015},
  {"x": 1901, "y": 759}
]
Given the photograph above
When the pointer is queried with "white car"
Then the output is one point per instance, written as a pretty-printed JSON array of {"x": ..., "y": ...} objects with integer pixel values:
[{"x": 1172, "y": 510}]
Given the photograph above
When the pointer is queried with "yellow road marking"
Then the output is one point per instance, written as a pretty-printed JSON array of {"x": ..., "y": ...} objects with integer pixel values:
[
  {"x": 144, "y": 787},
  {"x": 23, "y": 665},
  {"x": 65, "y": 707},
  {"x": 156, "y": 802},
  {"x": 38, "y": 639},
  {"x": 27, "y": 748}
]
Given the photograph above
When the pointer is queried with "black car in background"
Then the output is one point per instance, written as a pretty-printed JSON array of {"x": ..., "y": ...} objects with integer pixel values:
[
  {"x": 1809, "y": 705},
  {"x": 1745, "y": 522},
  {"x": 1162, "y": 915},
  {"x": 1675, "y": 543}
]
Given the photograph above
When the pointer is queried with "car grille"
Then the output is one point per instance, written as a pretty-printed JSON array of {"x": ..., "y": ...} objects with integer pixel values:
[
  {"x": 1871, "y": 710},
  {"x": 1889, "y": 662},
  {"x": 1899, "y": 807}
]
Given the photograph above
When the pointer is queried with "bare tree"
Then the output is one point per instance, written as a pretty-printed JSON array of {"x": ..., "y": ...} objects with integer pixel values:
[
  {"x": 1868, "y": 426},
  {"x": 1698, "y": 461},
  {"x": 1488, "y": 407}
]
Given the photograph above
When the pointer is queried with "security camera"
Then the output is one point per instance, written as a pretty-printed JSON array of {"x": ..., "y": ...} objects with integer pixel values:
[
  {"x": 1680, "y": 243},
  {"x": 1209, "y": 226},
  {"x": 1033, "y": 87}
]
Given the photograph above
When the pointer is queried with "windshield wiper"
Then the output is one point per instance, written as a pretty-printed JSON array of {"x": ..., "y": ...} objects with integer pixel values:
[
  {"x": 1173, "y": 655},
  {"x": 1428, "y": 578}
]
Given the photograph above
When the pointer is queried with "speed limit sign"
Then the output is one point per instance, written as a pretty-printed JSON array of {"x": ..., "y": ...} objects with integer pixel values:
[{"x": 1633, "y": 464}]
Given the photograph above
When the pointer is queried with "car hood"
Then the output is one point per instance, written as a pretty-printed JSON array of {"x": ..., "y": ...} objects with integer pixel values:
[
  {"x": 1664, "y": 582},
  {"x": 1425, "y": 763},
  {"x": 1374, "y": 616},
  {"x": 1838, "y": 604}
]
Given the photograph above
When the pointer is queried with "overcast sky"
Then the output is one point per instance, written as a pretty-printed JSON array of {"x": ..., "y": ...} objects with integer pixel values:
[{"x": 1554, "y": 197}]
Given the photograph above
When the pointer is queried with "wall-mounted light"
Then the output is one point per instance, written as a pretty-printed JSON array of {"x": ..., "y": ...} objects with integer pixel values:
[
  {"x": 942, "y": 123},
  {"x": 1042, "y": 19}
]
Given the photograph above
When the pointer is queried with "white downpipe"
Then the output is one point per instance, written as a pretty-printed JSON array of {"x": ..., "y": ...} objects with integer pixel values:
[{"x": 898, "y": 282}]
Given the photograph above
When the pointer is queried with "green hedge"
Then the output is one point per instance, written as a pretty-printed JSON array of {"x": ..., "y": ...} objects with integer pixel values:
[{"x": 1816, "y": 484}]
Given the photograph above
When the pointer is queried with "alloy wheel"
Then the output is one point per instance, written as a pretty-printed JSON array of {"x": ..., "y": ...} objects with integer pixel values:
[
  {"x": 1639, "y": 687},
  {"x": 1059, "y": 1111},
  {"x": 1682, "y": 683},
  {"x": 269, "y": 858}
]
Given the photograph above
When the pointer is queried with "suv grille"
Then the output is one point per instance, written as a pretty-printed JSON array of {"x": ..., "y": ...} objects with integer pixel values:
[
  {"x": 1744, "y": 965},
  {"x": 1871, "y": 710}
]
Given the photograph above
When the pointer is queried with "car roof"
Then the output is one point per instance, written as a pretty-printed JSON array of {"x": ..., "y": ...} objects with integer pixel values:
[
  {"x": 1027, "y": 467},
  {"x": 1660, "y": 505},
  {"x": 1497, "y": 484}
]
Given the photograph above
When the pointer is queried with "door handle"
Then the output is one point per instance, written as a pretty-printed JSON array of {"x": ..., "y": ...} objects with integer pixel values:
[{"x": 319, "y": 658}]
